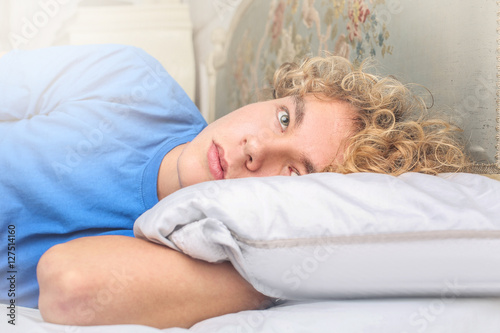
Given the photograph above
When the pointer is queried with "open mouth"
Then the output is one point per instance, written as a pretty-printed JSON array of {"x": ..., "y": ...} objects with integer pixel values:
[{"x": 216, "y": 162}]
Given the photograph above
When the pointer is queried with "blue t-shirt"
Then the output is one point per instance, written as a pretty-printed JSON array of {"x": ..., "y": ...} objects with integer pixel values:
[{"x": 83, "y": 130}]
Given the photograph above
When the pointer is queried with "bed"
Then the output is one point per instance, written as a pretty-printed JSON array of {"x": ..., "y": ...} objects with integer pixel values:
[
  {"x": 347, "y": 253},
  {"x": 414, "y": 253}
]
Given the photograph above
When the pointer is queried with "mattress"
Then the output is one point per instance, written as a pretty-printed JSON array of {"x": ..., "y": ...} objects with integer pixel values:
[{"x": 444, "y": 314}]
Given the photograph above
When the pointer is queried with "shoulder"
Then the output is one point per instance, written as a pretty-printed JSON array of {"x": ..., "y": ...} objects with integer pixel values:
[{"x": 102, "y": 55}]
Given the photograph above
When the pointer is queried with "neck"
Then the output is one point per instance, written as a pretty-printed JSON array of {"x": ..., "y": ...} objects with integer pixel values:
[{"x": 168, "y": 177}]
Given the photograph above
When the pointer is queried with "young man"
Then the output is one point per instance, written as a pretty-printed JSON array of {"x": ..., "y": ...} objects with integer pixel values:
[{"x": 93, "y": 136}]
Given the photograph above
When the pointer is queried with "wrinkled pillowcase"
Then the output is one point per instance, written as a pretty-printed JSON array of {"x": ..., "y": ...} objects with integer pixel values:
[{"x": 341, "y": 236}]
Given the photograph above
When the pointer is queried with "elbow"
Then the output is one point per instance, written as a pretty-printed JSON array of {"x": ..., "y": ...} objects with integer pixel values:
[{"x": 64, "y": 290}]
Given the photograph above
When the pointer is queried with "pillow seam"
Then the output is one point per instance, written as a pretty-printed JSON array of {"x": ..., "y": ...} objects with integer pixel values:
[{"x": 370, "y": 239}]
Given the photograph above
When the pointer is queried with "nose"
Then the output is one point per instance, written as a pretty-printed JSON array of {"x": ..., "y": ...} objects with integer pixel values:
[
  {"x": 264, "y": 154},
  {"x": 253, "y": 153}
]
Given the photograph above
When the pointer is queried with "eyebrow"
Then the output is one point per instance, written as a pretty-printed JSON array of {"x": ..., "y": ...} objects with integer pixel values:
[
  {"x": 299, "y": 117},
  {"x": 299, "y": 110},
  {"x": 308, "y": 164}
]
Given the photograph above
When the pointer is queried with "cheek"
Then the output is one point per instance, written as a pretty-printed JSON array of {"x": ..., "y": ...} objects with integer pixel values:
[
  {"x": 322, "y": 149},
  {"x": 265, "y": 134},
  {"x": 190, "y": 165},
  {"x": 237, "y": 133},
  {"x": 335, "y": 148}
]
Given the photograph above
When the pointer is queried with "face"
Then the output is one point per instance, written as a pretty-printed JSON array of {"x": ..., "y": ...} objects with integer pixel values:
[{"x": 287, "y": 136}]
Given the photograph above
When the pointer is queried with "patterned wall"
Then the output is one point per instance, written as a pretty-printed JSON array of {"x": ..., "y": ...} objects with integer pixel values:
[{"x": 447, "y": 46}]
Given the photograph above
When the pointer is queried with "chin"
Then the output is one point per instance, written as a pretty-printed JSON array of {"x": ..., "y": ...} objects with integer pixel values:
[{"x": 186, "y": 182}]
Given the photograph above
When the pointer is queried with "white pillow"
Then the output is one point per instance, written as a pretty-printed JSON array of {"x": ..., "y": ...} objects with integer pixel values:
[{"x": 330, "y": 235}]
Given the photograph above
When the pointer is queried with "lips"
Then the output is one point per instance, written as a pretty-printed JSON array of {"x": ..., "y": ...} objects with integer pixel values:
[{"x": 216, "y": 162}]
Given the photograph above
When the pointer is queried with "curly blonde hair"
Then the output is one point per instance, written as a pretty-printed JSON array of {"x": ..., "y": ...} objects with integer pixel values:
[{"x": 393, "y": 131}]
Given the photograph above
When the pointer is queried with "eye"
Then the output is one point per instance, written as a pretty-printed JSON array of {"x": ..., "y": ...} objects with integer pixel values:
[
  {"x": 294, "y": 172},
  {"x": 284, "y": 118}
]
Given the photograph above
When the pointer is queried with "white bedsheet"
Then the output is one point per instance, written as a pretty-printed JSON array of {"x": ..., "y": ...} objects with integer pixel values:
[{"x": 445, "y": 314}]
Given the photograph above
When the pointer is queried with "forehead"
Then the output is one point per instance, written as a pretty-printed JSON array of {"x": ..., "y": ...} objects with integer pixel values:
[{"x": 323, "y": 130}]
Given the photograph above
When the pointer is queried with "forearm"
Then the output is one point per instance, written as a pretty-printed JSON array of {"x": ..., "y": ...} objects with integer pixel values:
[{"x": 124, "y": 280}]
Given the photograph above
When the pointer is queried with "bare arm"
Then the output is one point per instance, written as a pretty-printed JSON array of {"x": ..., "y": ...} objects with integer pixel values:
[{"x": 124, "y": 280}]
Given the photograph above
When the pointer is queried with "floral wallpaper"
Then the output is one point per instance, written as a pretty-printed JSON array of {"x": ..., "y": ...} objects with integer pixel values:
[{"x": 273, "y": 32}]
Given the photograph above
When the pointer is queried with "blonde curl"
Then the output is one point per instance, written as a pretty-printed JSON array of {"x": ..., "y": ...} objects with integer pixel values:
[{"x": 393, "y": 132}]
